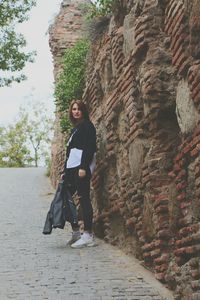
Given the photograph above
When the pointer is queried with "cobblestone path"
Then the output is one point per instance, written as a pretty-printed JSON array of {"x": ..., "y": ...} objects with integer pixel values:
[{"x": 34, "y": 266}]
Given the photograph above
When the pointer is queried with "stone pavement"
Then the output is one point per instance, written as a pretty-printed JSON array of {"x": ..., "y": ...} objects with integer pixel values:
[{"x": 35, "y": 266}]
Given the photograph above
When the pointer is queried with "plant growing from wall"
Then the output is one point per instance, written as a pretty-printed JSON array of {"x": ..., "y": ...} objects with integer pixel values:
[
  {"x": 100, "y": 8},
  {"x": 71, "y": 80},
  {"x": 98, "y": 14}
]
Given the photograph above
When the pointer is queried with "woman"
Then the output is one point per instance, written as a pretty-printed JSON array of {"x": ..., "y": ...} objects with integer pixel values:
[{"x": 80, "y": 157}]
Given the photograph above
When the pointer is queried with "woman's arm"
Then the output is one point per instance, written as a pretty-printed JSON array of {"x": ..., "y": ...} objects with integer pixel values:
[{"x": 89, "y": 146}]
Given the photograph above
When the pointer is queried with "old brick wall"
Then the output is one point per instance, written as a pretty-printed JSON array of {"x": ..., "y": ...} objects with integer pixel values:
[
  {"x": 143, "y": 93},
  {"x": 144, "y": 96}
]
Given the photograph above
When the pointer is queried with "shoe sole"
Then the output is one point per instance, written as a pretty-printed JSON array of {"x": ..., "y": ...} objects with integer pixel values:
[
  {"x": 69, "y": 243},
  {"x": 84, "y": 246},
  {"x": 91, "y": 245}
]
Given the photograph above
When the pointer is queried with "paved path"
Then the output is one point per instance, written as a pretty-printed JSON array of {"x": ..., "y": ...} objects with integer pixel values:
[{"x": 34, "y": 266}]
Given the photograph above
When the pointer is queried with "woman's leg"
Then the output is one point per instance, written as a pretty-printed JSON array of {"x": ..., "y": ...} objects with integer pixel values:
[
  {"x": 70, "y": 177},
  {"x": 83, "y": 190}
]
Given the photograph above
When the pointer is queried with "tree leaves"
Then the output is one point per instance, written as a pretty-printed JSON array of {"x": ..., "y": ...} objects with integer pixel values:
[
  {"x": 11, "y": 57},
  {"x": 14, "y": 151},
  {"x": 28, "y": 139}
]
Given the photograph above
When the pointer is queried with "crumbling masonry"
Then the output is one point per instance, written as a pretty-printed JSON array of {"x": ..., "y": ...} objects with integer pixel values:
[{"x": 143, "y": 93}]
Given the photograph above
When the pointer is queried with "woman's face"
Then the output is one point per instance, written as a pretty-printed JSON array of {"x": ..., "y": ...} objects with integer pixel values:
[{"x": 76, "y": 112}]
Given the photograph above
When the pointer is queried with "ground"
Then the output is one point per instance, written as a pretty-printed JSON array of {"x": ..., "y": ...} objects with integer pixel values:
[{"x": 35, "y": 266}]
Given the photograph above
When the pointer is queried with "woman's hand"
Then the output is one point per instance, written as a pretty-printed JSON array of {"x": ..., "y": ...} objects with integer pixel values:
[
  {"x": 81, "y": 173},
  {"x": 62, "y": 176}
]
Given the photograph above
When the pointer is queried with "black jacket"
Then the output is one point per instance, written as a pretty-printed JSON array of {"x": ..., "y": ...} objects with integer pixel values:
[
  {"x": 62, "y": 209},
  {"x": 83, "y": 138}
]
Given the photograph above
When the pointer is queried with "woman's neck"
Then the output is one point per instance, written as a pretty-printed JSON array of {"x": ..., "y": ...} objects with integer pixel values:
[{"x": 79, "y": 122}]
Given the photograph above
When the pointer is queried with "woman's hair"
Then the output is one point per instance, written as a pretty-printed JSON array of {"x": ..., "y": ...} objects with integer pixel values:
[{"x": 82, "y": 107}]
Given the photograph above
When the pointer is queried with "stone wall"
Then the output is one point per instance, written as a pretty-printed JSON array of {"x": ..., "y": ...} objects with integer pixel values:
[
  {"x": 143, "y": 93},
  {"x": 144, "y": 96}
]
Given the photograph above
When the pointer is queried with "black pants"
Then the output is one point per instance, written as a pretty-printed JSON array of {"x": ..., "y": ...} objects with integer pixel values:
[{"x": 82, "y": 187}]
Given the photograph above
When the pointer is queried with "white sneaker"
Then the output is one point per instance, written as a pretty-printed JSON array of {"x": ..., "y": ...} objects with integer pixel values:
[
  {"x": 86, "y": 240},
  {"x": 76, "y": 235}
]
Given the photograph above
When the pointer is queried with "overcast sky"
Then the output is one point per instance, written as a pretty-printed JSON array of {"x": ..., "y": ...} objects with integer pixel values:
[{"x": 39, "y": 86}]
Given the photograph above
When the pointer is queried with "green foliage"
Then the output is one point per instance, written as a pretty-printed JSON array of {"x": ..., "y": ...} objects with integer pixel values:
[
  {"x": 71, "y": 81},
  {"x": 100, "y": 8},
  {"x": 28, "y": 139},
  {"x": 11, "y": 57},
  {"x": 12, "y": 11},
  {"x": 13, "y": 149},
  {"x": 39, "y": 127}
]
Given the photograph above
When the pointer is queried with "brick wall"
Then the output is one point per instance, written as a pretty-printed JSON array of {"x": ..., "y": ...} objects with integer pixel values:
[
  {"x": 146, "y": 186},
  {"x": 143, "y": 94}
]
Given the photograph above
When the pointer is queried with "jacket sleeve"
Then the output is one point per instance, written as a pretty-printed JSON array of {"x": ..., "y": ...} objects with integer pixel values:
[
  {"x": 67, "y": 150},
  {"x": 89, "y": 145}
]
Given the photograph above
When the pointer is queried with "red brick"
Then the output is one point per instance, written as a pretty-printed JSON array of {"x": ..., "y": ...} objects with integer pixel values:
[
  {"x": 164, "y": 234},
  {"x": 179, "y": 156},
  {"x": 184, "y": 205},
  {"x": 142, "y": 21},
  {"x": 178, "y": 55},
  {"x": 197, "y": 130},
  {"x": 148, "y": 246},
  {"x": 177, "y": 20},
  {"x": 130, "y": 222},
  {"x": 181, "y": 175},
  {"x": 180, "y": 186},
  {"x": 162, "y": 209},
  {"x": 181, "y": 197},
  {"x": 160, "y": 276},
  {"x": 161, "y": 268},
  {"x": 177, "y": 167},
  {"x": 195, "y": 274},
  {"x": 184, "y": 66},
  {"x": 180, "y": 260},
  {"x": 195, "y": 151},
  {"x": 195, "y": 82},
  {"x": 159, "y": 243},
  {"x": 180, "y": 251},
  {"x": 146, "y": 255},
  {"x": 190, "y": 240},
  {"x": 178, "y": 38},
  {"x": 110, "y": 147},
  {"x": 196, "y": 98},
  {"x": 195, "y": 140},
  {"x": 187, "y": 149},
  {"x": 155, "y": 253},
  {"x": 172, "y": 174},
  {"x": 162, "y": 259},
  {"x": 189, "y": 229}
]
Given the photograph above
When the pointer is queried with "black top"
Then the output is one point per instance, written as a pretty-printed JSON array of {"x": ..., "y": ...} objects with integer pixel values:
[{"x": 83, "y": 137}]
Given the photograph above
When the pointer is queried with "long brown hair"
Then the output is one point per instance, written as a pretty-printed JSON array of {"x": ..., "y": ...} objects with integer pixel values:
[{"x": 82, "y": 107}]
